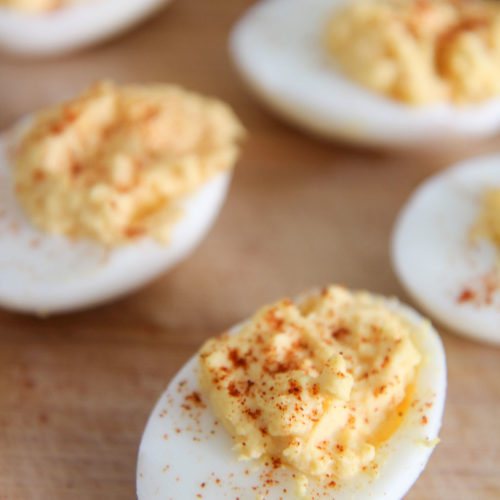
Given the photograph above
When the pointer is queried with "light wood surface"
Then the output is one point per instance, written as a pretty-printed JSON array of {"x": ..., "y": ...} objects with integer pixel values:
[{"x": 76, "y": 390}]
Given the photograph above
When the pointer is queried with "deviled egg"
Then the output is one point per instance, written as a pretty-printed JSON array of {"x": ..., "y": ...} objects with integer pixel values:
[
  {"x": 45, "y": 27},
  {"x": 445, "y": 248},
  {"x": 102, "y": 193},
  {"x": 376, "y": 72},
  {"x": 339, "y": 395}
]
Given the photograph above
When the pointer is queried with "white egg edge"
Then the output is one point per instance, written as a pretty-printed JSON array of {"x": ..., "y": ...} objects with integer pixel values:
[
  {"x": 405, "y": 453},
  {"x": 467, "y": 320},
  {"x": 71, "y": 27},
  {"x": 360, "y": 116},
  {"x": 126, "y": 268}
]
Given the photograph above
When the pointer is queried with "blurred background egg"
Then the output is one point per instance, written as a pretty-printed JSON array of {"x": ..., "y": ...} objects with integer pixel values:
[
  {"x": 70, "y": 26},
  {"x": 186, "y": 452},
  {"x": 278, "y": 49},
  {"x": 452, "y": 274},
  {"x": 44, "y": 274}
]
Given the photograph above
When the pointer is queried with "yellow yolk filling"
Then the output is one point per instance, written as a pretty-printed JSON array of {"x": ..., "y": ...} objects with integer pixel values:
[
  {"x": 419, "y": 51},
  {"x": 317, "y": 386},
  {"x": 113, "y": 164},
  {"x": 37, "y": 6},
  {"x": 488, "y": 223}
]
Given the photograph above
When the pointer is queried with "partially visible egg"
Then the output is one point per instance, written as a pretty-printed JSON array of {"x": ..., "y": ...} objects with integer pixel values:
[
  {"x": 278, "y": 49},
  {"x": 44, "y": 274},
  {"x": 72, "y": 26},
  {"x": 453, "y": 276},
  {"x": 186, "y": 452}
]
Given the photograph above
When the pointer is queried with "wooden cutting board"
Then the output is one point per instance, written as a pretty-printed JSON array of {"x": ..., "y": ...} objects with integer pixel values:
[{"x": 76, "y": 390}]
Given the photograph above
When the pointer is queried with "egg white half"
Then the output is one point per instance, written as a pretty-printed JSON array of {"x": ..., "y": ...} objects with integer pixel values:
[
  {"x": 44, "y": 274},
  {"x": 71, "y": 27},
  {"x": 277, "y": 48},
  {"x": 435, "y": 258},
  {"x": 186, "y": 453}
]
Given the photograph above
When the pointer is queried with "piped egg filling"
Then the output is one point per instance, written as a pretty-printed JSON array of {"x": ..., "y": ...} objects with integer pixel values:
[
  {"x": 488, "y": 223},
  {"x": 37, "y": 6},
  {"x": 419, "y": 51},
  {"x": 317, "y": 386},
  {"x": 112, "y": 164}
]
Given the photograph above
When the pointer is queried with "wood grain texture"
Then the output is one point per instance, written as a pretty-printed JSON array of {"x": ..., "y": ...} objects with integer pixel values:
[{"x": 76, "y": 390}]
